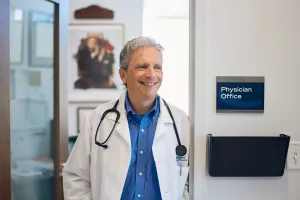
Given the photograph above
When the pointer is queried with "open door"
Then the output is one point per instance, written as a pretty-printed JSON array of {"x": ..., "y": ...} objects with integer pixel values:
[{"x": 33, "y": 100}]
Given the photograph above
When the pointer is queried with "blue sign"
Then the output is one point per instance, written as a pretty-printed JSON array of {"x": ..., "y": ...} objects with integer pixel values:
[{"x": 240, "y": 94}]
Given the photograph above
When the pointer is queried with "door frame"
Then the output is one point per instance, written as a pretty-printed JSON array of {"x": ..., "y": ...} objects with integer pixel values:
[
  {"x": 60, "y": 86},
  {"x": 60, "y": 95},
  {"x": 5, "y": 177}
]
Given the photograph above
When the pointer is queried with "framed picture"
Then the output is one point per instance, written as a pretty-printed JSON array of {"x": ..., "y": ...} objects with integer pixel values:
[
  {"x": 12, "y": 83},
  {"x": 16, "y": 33},
  {"x": 93, "y": 62},
  {"x": 41, "y": 37},
  {"x": 82, "y": 114}
]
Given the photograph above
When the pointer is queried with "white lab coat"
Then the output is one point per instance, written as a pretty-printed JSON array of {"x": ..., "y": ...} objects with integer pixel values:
[{"x": 94, "y": 173}]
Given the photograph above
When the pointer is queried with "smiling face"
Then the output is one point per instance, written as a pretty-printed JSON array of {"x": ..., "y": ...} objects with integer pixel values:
[
  {"x": 144, "y": 74},
  {"x": 91, "y": 43}
]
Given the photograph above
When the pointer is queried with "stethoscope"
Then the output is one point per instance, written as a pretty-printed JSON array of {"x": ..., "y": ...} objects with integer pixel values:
[{"x": 180, "y": 149}]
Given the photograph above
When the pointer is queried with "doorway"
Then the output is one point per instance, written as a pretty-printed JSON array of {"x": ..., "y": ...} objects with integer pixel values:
[{"x": 32, "y": 126}]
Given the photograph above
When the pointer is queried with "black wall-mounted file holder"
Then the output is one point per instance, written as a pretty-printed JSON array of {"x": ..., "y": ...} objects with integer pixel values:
[{"x": 245, "y": 156}]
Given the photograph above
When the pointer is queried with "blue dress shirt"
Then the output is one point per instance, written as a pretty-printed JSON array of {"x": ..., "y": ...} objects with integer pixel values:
[{"x": 142, "y": 180}]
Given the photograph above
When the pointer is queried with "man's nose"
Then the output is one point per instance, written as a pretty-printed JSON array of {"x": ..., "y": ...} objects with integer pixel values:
[{"x": 150, "y": 71}]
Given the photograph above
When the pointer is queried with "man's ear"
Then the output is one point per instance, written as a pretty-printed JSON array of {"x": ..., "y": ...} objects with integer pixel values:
[{"x": 123, "y": 75}]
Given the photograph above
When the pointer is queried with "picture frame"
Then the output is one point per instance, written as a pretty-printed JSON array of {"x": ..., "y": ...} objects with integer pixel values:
[
  {"x": 12, "y": 83},
  {"x": 82, "y": 114},
  {"x": 41, "y": 39},
  {"x": 17, "y": 35},
  {"x": 74, "y": 119},
  {"x": 93, "y": 62}
]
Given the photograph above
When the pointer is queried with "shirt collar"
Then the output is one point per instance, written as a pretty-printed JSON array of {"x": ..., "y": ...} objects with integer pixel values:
[{"x": 129, "y": 109}]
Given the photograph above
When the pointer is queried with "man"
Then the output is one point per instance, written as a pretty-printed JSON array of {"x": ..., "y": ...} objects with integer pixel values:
[{"x": 142, "y": 158}]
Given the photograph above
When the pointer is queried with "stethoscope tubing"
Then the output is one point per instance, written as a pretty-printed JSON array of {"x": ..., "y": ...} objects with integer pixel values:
[{"x": 180, "y": 149}]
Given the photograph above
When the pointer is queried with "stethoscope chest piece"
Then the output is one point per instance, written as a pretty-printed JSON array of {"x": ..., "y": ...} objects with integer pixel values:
[{"x": 181, "y": 150}]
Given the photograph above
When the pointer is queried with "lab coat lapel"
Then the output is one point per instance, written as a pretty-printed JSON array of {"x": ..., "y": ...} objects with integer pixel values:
[
  {"x": 122, "y": 127},
  {"x": 163, "y": 121}
]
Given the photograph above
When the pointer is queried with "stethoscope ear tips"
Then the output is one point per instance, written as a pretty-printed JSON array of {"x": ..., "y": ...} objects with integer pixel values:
[{"x": 181, "y": 150}]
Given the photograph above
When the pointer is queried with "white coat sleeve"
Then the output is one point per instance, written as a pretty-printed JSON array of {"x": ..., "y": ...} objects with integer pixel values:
[{"x": 76, "y": 172}]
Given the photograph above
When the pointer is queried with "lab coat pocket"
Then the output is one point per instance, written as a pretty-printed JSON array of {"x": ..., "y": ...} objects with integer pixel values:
[{"x": 182, "y": 178}]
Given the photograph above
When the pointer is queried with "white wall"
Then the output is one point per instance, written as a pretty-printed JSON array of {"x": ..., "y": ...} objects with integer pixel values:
[
  {"x": 127, "y": 12},
  {"x": 246, "y": 38},
  {"x": 171, "y": 30}
]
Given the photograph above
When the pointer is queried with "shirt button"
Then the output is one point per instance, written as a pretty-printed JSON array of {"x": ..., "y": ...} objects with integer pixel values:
[
  {"x": 142, "y": 130},
  {"x": 140, "y": 174},
  {"x": 141, "y": 152},
  {"x": 139, "y": 195}
]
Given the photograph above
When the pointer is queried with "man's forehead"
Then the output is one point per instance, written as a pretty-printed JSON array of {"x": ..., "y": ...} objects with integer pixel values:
[
  {"x": 142, "y": 50},
  {"x": 150, "y": 56}
]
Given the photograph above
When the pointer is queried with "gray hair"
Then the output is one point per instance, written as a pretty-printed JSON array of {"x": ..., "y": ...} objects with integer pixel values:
[{"x": 133, "y": 44}]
